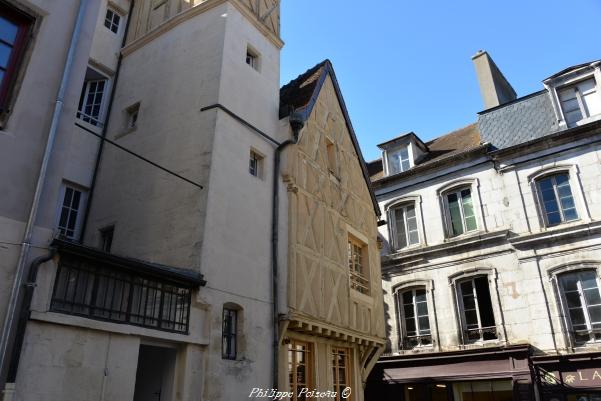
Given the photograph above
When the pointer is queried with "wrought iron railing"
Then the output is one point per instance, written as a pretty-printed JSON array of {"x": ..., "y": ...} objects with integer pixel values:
[
  {"x": 410, "y": 342},
  {"x": 481, "y": 334}
]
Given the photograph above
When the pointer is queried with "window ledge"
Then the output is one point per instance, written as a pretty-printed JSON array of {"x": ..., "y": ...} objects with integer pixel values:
[
  {"x": 558, "y": 233},
  {"x": 361, "y": 297},
  {"x": 78, "y": 321},
  {"x": 126, "y": 131},
  {"x": 476, "y": 239}
]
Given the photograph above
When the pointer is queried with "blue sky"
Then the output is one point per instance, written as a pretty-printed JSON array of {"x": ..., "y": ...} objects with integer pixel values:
[{"x": 406, "y": 65}]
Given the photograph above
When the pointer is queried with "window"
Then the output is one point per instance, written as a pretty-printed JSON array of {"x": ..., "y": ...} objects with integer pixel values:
[
  {"x": 581, "y": 297},
  {"x": 71, "y": 211},
  {"x": 579, "y": 101},
  {"x": 414, "y": 318},
  {"x": 112, "y": 20},
  {"x": 14, "y": 29},
  {"x": 229, "y": 330},
  {"x": 99, "y": 292},
  {"x": 405, "y": 226},
  {"x": 340, "y": 371},
  {"x": 460, "y": 216},
  {"x": 398, "y": 160},
  {"x": 91, "y": 104},
  {"x": 357, "y": 269},
  {"x": 106, "y": 238},
  {"x": 477, "y": 315},
  {"x": 300, "y": 368},
  {"x": 557, "y": 202},
  {"x": 331, "y": 156},
  {"x": 132, "y": 113},
  {"x": 252, "y": 58},
  {"x": 255, "y": 164}
]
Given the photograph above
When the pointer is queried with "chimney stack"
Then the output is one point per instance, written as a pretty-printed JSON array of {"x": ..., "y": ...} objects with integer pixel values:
[{"x": 495, "y": 89}]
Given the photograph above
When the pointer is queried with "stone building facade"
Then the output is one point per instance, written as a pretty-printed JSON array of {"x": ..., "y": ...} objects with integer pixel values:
[
  {"x": 172, "y": 255},
  {"x": 491, "y": 261}
]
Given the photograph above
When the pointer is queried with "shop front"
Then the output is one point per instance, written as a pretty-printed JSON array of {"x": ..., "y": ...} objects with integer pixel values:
[
  {"x": 489, "y": 374},
  {"x": 575, "y": 377}
]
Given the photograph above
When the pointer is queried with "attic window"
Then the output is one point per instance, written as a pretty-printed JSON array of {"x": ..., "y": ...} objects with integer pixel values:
[
  {"x": 579, "y": 101},
  {"x": 398, "y": 160}
]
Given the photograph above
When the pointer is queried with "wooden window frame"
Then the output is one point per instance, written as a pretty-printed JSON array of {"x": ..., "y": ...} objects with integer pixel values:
[
  {"x": 337, "y": 384},
  {"x": 293, "y": 364},
  {"x": 447, "y": 210},
  {"x": 593, "y": 333},
  {"x": 394, "y": 229},
  {"x": 422, "y": 339},
  {"x": 460, "y": 304},
  {"x": 24, "y": 23},
  {"x": 557, "y": 199},
  {"x": 83, "y": 194},
  {"x": 359, "y": 278}
]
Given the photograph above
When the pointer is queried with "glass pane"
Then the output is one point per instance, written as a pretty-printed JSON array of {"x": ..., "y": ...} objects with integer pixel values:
[
  {"x": 470, "y": 223},
  {"x": 408, "y": 310},
  {"x": 455, "y": 214},
  {"x": 408, "y": 297},
  {"x": 410, "y": 212},
  {"x": 553, "y": 218},
  {"x": 595, "y": 314},
  {"x": 424, "y": 324},
  {"x": 592, "y": 296},
  {"x": 410, "y": 326},
  {"x": 588, "y": 279},
  {"x": 562, "y": 179},
  {"x": 400, "y": 228},
  {"x": 570, "y": 214},
  {"x": 422, "y": 308},
  {"x": 551, "y": 206},
  {"x": 8, "y": 30},
  {"x": 413, "y": 238},
  {"x": 469, "y": 302},
  {"x": 405, "y": 165},
  {"x": 577, "y": 317},
  {"x": 572, "y": 299},
  {"x": 567, "y": 203},
  {"x": 4, "y": 55},
  {"x": 420, "y": 296}
]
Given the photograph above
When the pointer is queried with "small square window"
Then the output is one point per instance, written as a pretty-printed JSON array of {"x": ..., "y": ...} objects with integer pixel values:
[
  {"x": 331, "y": 155},
  {"x": 255, "y": 165},
  {"x": 133, "y": 113},
  {"x": 112, "y": 20},
  {"x": 106, "y": 238},
  {"x": 252, "y": 58}
]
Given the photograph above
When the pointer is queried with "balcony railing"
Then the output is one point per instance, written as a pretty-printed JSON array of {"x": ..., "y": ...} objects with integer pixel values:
[
  {"x": 359, "y": 282},
  {"x": 411, "y": 342},
  {"x": 480, "y": 334},
  {"x": 583, "y": 337}
]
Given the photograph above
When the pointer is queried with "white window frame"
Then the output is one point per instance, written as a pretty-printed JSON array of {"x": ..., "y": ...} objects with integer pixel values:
[
  {"x": 99, "y": 121},
  {"x": 457, "y": 186},
  {"x": 390, "y": 154},
  {"x": 583, "y": 303},
  {"x": 80, "y": 211},
  {"x": 253, "y": 58},
  {"x": 403, "y": 319},
  {"x": 579, "y": 200},
  {"x": 557, "y": 199},
  {"x": 259, "y": 159},
  {"x": 112, "y": 20},
  {"x": 555, "y": 85},
  {"x": 460, "y": 295},
  {"x": 393, "y": 226}
]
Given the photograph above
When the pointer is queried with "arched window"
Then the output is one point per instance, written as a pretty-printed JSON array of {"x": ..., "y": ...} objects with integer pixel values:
[
  {"x": 556, "y": 201},
  {"x": 230, "y": 330},
  {"x": 414, "y": 318},
  {"x": 460, "y": 212},
  {"x": 476, "y": 309},
  {"x": 582, "y": 304}
]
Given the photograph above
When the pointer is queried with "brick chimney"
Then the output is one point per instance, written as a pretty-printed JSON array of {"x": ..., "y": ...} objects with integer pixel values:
[{"x": 495, "y": 89}]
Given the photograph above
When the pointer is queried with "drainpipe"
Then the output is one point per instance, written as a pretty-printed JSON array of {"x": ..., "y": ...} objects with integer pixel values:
[
  {"x": 109, "y": 108},
  {"x": 25, "y": 312},
  {"x": 11, "y": 317},
  {"x": 296, "y": 123}
]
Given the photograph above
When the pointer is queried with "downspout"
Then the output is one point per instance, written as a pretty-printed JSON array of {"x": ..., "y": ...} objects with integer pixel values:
[
  {"x": 109, "y": 108},
  {"x": 25, "y": 312},
  {"x": 10, "y": 317},
  {"x": 296, "y": 123}
]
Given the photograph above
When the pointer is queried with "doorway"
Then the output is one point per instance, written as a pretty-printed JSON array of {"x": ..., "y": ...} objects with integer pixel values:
[{"x": 155, "y": 373}]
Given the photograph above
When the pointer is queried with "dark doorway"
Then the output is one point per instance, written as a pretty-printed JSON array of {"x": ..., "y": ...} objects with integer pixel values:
[{"x": 154, "y": 377}]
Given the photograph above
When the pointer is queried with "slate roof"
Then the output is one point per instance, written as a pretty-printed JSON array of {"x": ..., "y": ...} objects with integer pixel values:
[
  {"x": 446, "y": 146},
  {"x": 301, "y": 94}
]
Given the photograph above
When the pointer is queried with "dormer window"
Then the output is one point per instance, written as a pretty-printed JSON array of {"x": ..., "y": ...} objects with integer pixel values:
[
  {"x": 579, "y": 101},
  {"x": 398, "y": 160},
  {"x": 575, "y": 94}
]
